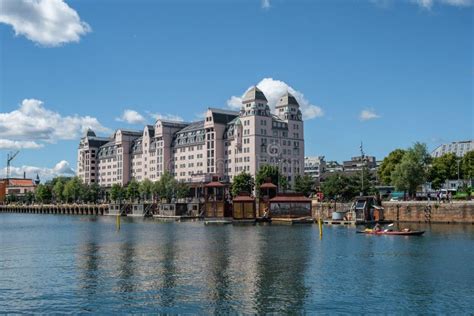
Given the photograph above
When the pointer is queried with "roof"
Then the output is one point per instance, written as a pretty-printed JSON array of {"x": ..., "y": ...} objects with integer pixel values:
[
  {"x": 151, "y": 130},
  {"x": 215, "y": 184},
  {"x": 89, "y": 133},
  {"x": 130, "y": 132},
  {"x": 243, "y": 198},
  {"x": 289, "y": 197},
  {"x": 221, "y": 116},
  {"x": 268, "y": 185},
  {"x": 287, "y": 99},
  {"x": 253, "y": 94},
  {"x": 20, "y": 183},
  {"x": 193, "y": 126},
  {"x": 224, "y": 111}
]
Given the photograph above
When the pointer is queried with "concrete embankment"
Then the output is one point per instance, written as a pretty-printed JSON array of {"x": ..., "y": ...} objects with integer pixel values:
[
  {"x": 71, "y": 209},
  {"x": 430, "y": 212}
]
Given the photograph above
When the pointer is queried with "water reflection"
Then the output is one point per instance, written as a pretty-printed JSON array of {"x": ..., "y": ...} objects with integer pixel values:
[{"x": 168, "y": 264}]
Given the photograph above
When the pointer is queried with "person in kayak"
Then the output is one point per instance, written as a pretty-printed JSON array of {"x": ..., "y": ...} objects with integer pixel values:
[{"x": 377, "y": 227}]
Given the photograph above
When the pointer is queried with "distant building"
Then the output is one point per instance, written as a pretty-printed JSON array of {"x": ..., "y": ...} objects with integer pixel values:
[
  {"x": 357, "y": 163},
  {"x": 314, "y": 167},
  {"x": 459, "y": 148},
  {"x": 18, "y": 187},
  {"x": 224, "y": 144}
]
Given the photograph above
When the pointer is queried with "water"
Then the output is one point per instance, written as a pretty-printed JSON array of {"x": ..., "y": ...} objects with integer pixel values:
[{"x": 59, "y": 263}]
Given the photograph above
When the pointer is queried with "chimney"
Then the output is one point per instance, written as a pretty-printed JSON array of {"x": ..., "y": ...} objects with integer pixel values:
[{"x": 24, "y": 174}]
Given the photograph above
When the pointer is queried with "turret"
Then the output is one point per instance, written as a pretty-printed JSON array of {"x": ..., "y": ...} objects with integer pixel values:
[{"x": 288, "y": 108}]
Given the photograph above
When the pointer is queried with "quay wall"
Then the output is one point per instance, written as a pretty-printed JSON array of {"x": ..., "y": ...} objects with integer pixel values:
[
  {"x": 430, "y": 212},
  {"x": 67, "y": 209}
]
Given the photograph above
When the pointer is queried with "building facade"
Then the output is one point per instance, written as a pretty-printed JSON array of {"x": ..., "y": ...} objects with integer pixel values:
[
  {"x": 314, "y": 167},
  {"x": 224, "y": 144},
  {"x": 458, "y": 148}
]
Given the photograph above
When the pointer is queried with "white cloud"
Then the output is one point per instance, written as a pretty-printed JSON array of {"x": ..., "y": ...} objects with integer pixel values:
[
  {"x": 366, "y": 115},
  {"x": 46, "y": 22},
  {"x": 131, "y": 117},
  {"x": 33, "y": 122},
  {"x": 273, "y": 90},
  {"x": 62, "y": 168},
  {"x": 266, "y": 4},
  {"x": 167, "y": 117},
  {"x": 17, "y": 144}
]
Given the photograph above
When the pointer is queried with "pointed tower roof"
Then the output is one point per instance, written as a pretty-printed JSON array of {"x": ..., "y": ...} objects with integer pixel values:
[
  {"x": 89, "y": 133},
  {"x": 287, "y": 99},
  {"x": 254, "y": 94}
]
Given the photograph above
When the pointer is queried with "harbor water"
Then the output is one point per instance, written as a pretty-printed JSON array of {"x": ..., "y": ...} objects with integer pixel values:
[{"x": 81, "y": 264}]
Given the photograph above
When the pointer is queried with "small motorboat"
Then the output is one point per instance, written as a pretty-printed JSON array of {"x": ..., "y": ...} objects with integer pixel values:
[{"x": 404, "y": 232}]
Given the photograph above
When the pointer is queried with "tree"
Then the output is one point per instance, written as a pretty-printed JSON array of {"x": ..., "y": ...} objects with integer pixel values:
[
  {"x": 43, "y": 193},
  {"x": 181, "y": 190},
  {"x": 58, "y": 190},
  {"x": 304, "y": 184},
  {"x": 269, "y": 172},
  {"x": 73, "y": 190},
  {"x": 389, "y": 164},
  {"x": 365, "y": 181},
  {"x": 467, "y": 165},
  {"x": 133, "y": 192},
  {"x": 91, "y": 193},
  {"x": 412, "y": 170},
  {"x": 166, "y": 186},
  {"x": 339, "y": 186},
  {"x": 145, "y": 188},
  {"x": 29, "y": 197},
  {"x": 443, "y": 168},
  {"x": 117, "y": 193},
  {"x": 243, "y": 182}
]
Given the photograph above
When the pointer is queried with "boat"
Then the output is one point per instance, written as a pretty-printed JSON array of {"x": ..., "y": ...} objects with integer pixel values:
[{"x": 392, "y": 232}]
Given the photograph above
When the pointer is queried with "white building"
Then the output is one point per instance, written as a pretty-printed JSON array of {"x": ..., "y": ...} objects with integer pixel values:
[
  {"x": 224, "y": 144},
  {"x": 314, "y": 167},
  {"x": 458, "y": 148}
]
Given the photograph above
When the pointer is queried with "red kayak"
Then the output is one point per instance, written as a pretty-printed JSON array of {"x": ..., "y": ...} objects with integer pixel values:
[{"x": 397, "y": 233}]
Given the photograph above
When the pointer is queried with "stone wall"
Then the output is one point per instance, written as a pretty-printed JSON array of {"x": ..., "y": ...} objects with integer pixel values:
[
  {"x": 433, "y": 212},
  {"x": 326, "y": 208}
]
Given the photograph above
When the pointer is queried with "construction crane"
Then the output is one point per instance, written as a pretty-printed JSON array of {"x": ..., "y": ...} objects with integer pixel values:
[{"x": 10, "y": 157}]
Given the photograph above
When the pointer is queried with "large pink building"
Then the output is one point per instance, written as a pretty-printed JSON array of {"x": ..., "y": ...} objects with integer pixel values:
[{"x": 224, "y": 144}]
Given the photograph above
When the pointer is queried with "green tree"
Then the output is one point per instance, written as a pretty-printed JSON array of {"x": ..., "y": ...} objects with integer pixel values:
[
  {"x": 341, "y": 187},
  {"x": 412, "y": 170},
  {"x": 58, "y": 189},
  {"x": 133, "y": 190},
  {"x": 73, "y": 190},
  {"x": 389, "y": 164},
  {"x": 304, "y": 184},
  {"x": 146, "y": 188},
  {"x": 181, "y": 189},
  {"x": 117, "y": 193},
  {"x": 467, "y": 165},
  {"x": 165, "y": 186},
  {"x": 43, "y": 193},
  {"x": 443, "y": 168},
  {"x": 91, "y": 193},
  {"x": 29, "y": 197},
  {"x": 243, "y": 182}
]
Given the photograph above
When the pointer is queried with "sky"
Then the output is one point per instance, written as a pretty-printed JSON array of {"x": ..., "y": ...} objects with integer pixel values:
[{"x": 386, "y": 73}]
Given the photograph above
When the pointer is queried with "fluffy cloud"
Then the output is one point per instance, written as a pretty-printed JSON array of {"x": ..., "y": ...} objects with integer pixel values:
[
  {"x": 426, "y": 4},
  {"x": 366, "y": 115},
  {"x": 131, "y": 117},
  {"x": 62, "y": 168},
  {"x": 46, "y": 22},
  {"x": 429, "y": 3},
  {"x": 266, "y": 4},
  {"x": 167, "y": 117},
  {"x": 273, "y": 90},
  {"x": 33, "y": 122},
  {"x": 17, "y": 144}
]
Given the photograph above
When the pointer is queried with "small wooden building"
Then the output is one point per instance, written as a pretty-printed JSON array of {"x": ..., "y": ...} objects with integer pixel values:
[
  {"x": 290, "y": 205},
  {"x": 267, "y": 191},
  {"x": 216, "y": 204},
  {"x": 366, "y": 210},
  {"x": 172, "y": 209},
  {"x": 243, "y": 207}
]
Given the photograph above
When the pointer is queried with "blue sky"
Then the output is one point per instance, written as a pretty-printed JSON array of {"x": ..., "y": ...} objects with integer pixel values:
[{"x": 405, "y": 66}]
